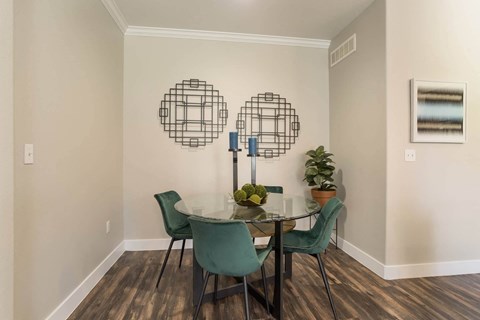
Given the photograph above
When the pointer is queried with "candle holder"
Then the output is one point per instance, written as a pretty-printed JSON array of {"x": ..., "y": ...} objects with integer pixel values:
[
  {"x": 252, "y": 153},
  {"x": 235, "y": 168},
  {"x": 253, "y": 161}
]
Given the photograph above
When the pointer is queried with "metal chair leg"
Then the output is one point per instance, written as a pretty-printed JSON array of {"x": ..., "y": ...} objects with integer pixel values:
[
  {"x": 336, "y": 233},
  {"x": 327, "y": 286},
  {"x": 165, "y": 261},
  {"x": 181, "y": 254},
  {"x": 264, "y": 278},
  {"x": 215, "y": 289},
  {"x": 205, "y": 282},
  {"x": 245, "y": 290}
]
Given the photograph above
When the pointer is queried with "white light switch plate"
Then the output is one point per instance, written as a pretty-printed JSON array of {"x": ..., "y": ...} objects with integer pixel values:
[{"x": 28, "y": 154}]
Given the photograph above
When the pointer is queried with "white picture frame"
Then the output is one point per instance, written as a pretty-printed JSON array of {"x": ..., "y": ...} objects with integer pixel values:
[{"x": 438, "y": 111}]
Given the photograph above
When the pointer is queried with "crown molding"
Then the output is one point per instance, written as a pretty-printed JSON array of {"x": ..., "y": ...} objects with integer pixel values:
[
  {"x": 116, "y": 14},
  {"x": 121, "y": 22},
  {"x": 226, "y": 36}
]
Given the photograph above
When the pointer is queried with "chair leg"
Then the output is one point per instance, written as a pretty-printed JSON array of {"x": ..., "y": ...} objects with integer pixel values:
[
  {"x": 264, "y": 278},
  {"x": 327, "y": 286},
  {"x": 165, "y": 261},
  {"x": 181, "y": 254},
  {"x": 245, "y": 290},
  {"x": 215, "y": 289},
  {"x": 205, "y": 282}
]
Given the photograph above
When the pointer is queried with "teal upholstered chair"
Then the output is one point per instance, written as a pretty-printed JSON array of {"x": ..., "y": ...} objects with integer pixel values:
[
  {"x": 176, "y": 224},
  {"x": 315, "y": 240},
  {"x": 274, "y": 189},
  {"x": 224, "y": 247}
]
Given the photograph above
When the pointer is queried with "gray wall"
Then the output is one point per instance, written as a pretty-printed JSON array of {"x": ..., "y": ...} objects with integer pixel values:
[
  {"x": 422, "y": 217},
  {"x": 68, "y": 103},
  {"x": 433, "y": 203},
  {"x": 154, "y": 163},
  {"x": 358, "y": 132}
]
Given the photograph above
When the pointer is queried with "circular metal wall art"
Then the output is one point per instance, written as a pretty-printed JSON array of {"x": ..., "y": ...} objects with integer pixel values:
[
  {"x": 272, "y": 120},
  {"x": 193, "y": 113}
]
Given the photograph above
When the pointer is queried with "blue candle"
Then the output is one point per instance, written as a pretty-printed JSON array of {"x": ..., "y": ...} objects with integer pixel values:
[
  {"x": 234, "y": 140},
  {"x": 252, "y": 146}
]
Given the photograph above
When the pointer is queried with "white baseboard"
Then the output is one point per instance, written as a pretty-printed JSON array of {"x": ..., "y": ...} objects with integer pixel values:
[
  {"x": 437, "y": 269},
  {"x": 262, "y": 240},
  {"x": 70, "y": 303},
  {"x": 361, "y": 256},
  {"x": 154, "y": 244},
  {"x": 392, "y": 272}
]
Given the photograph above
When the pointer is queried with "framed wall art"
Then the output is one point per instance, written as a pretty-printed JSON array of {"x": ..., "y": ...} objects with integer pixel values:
[{"x": 438, "y": 111}]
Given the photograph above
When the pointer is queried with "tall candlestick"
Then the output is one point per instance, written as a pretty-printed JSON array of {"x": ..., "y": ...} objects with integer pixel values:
[
  {"x": 254, "y": 169},
  {"x": 234, "y": 149},
  {"x": 235, "y": 171},
  {"x": 252, "y": 152}
]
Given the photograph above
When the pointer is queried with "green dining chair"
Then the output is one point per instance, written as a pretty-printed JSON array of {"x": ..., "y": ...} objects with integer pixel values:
[
  {"x": 176, "y": 224},
  {"x": 224, "y": 247},
  {"x": 315, "y": 240},
  {"x": 274, "y": 189}
]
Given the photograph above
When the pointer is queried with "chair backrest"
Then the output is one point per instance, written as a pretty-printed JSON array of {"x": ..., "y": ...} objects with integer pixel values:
[
  {"x": 172, "y": 219},
  {"x": 224, "y": 246},
  {"x": 274, "y": 189},
  {"x": 326, "y": 220}
]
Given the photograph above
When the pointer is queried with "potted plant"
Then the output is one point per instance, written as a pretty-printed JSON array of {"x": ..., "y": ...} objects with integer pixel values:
[{"x": 318, "y": 173}]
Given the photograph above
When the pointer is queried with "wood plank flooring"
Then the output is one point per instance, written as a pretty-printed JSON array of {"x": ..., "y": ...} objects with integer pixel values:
[{"x": 127, "y": 291}]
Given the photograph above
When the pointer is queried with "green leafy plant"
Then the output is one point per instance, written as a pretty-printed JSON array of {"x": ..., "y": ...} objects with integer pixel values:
[{"x": 319, "y": 169}]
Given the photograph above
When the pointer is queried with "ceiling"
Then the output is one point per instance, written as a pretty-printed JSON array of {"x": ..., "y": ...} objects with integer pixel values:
[{"x": 315, "y": 19}]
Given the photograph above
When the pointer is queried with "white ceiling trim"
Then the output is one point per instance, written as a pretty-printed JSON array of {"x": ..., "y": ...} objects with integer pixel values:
[
  {"x": 226, "y": 36},
  {"x": 122, "y": 24},
  {"x": 116, "y": 14}
]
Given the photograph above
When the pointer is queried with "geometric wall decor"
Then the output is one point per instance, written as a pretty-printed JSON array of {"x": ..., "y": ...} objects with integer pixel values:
[
  {"x": 438, "y": 111},
  {"x": 272, "y": 120},
  {"x": 193, "y": 113}
]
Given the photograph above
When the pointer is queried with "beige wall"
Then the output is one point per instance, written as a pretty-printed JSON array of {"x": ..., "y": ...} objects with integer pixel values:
[
  {"x": 153, "y": 163},
  {"x": 433, "y": 203},
  {"x": 6, "y": 159},
  {"x": 68, "y": 103},
  {"x": 358, "y": 132}
]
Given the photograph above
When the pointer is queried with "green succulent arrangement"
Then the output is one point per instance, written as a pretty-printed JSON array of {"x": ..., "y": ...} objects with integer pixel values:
[
  {"x": 319, "y": 169},
  {"x": 250, "y": 194}
]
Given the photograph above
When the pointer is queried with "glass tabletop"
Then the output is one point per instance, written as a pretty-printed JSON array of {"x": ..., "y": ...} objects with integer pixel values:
[{"x": 221, "y": 206}]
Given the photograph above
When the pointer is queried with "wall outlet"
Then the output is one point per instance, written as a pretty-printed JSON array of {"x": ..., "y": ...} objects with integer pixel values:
[
  {"x": 107, "y": 227},
  {"x": 410, "y": 155}
]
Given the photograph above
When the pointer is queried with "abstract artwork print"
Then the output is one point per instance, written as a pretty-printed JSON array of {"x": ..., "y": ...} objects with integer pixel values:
[{"x": 438, "y": 111}]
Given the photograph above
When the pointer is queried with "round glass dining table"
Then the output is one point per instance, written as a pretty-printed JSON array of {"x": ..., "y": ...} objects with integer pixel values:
[
  {"x": 278, "y": 209},
  {"x": 221, "y": 206}
]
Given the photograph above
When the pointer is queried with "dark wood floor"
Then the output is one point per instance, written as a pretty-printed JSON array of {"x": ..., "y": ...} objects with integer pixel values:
[{"x": 127, "y": 291}]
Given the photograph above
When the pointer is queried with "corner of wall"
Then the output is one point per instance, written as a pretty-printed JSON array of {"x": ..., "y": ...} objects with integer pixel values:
[{"x": 6, "y": 159}]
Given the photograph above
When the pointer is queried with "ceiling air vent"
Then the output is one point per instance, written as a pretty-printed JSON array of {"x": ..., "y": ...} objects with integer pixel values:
[{"x": 344, "y": 50}]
